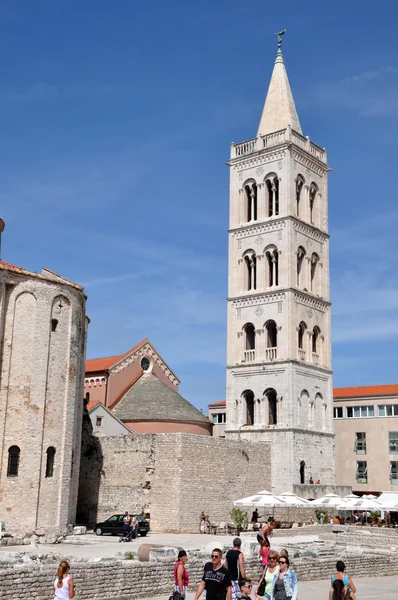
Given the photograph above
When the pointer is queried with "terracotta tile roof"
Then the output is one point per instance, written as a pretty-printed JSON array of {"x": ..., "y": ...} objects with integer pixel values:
[
  {"x": 367, "y": 390},
  {"x": 220, "y": 403},
  {"x": 93, "y": 365},
  {"x": 46, "y": 274}
]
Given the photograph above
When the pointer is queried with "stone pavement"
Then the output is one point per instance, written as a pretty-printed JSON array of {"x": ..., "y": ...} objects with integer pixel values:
[
  {"x": 368, "y": 588},
  {"x": 107, "y": 546}
]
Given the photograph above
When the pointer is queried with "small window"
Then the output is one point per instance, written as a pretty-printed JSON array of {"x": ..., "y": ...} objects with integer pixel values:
[
  {"x": 98, "y": 422},
  {"x": 54, "y": 324},
  {"x": 145, "y": 364},
  {"x": 349, "y": 412},
  {"x": 394, "y": 471},
  {"x": 382, "y": 411},
  {"x": 50, "y": 461},
  {"x": 393, "y": 442},
  {"x": 362, "y": 472},
  {"x": 360, "y": 443},
  {"x": 13, "y": 461},
  {"x": 338, "y": 412}
]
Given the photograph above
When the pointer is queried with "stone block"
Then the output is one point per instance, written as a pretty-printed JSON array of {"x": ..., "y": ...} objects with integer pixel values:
[
  {"x": 163, "y": 553},
  {"x": 80, "y": 530},
  {"x": 250, "y": 547}
]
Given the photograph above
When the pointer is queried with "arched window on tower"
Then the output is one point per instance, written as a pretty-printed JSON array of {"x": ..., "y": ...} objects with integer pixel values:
[
  {"x": 13, "y": 461},
  {"x": 250, "y": 191},
  {"x": 272, "y": 264},
  {"x": 300, "y": 267},
  {"x": 250, "y": 263},
  {"x": 250, "y": 342},
  {"x": 50, "y": 461},
  {"x": 248, "y": 203},
  {"x": 272, "y": 407},
  {"x": 314, "y": 272},
  {"x": 249, "y": 401},
  {"x": 272, "y": 184},
  {"x": 313, "y": 192},
  {"x": 301, "y": 338},
  {"x": 315, "y": 343},
  {"x": 271, "y": 340},
  {"x": 299, "y": 187}
]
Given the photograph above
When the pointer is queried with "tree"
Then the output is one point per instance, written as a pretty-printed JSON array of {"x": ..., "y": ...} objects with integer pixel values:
[{"x": 239, "y": 517}]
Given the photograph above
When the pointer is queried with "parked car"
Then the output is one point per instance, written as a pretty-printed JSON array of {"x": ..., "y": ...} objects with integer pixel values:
[{"x": 114, "y": 525}]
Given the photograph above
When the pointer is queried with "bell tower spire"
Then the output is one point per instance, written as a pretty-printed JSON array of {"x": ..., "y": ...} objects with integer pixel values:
[{"x": 279, "y": 109}]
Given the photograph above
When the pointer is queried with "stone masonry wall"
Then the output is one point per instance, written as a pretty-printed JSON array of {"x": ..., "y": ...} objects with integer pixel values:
[
  {"x": 123, "y": 580},
  {"x": 172, "y": 476}
]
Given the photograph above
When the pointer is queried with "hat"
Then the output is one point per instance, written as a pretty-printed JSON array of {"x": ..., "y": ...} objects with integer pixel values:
[{"x": 237, "y": 542}]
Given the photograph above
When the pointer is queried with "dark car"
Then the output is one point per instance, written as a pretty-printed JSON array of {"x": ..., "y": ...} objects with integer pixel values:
[{"x": 114, "y": 525}]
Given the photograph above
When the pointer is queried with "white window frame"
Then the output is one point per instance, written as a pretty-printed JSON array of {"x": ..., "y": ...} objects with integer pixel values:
[
  {"x": 385, "y": 408},
  {"x": 393, "y": 442},
  {"x": 360, "y": 443},
  {"x": 357, "y": 412},
  {"x": 98, "y": 421},
  {"x": 363, "y": 477},
  {"x": 337, "y": 408},
  {"x": 394, "y": 479}
]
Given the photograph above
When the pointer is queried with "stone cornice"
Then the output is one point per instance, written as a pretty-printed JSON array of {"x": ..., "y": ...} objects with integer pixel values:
[
  {"x": 263, "y": 297},
  {"x": 275, "y": 429},
  {"x": 145, "y": 350},
  {"x": 278, "y": 223},
  {"x": 308, "y": 299},
  {"x": 264, "y": 367}
]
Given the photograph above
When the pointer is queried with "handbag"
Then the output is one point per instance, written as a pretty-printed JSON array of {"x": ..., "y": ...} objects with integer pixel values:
[
  {"x": 177, "y": 595},
  {"x": 262, "y": 584}
]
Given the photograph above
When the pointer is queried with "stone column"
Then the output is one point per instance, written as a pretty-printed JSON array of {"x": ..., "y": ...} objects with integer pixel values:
[
  {"x": 260, "y": 346},
  {"x": 240, "y": 344},
  {"x": 261, "y": 202},
  {"x": 261, "y": 280}
]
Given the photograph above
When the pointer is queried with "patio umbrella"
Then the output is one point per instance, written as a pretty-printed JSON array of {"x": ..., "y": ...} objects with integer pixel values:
[
  {"x": 293, "y": 501},
  {"x": 331, "y": 500},
  {"x": 262, "y": 499}
]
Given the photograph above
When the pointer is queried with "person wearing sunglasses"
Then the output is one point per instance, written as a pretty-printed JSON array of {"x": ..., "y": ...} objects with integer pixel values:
[
  {"x": 264, "y": 586},
  {"x": 284, "y": 584},
  {"x": 216, "y": 580},
  {"x": 245, "y": 587}
]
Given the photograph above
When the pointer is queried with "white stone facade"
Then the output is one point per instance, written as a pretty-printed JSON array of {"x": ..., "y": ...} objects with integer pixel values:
[
  {"x": 279, "y": 378},
  {"x": 43, "y": 332}
]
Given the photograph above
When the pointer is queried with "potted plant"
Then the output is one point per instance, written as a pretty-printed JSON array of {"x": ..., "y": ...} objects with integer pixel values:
[{"x": 239, "y": 517}]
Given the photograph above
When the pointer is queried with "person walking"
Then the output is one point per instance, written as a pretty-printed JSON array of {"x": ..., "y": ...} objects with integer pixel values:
[
  {"x": 338, "y": 589},
  {"x": 264, "y": 585},
  {"x": 235, "y": 563},
  {"x": 216, "y": 580},
  {"x": 181, "y": 576},
  {"x": 284, "y": 583},
  {"x": 266, "y": 532},
  {"x": 340, "y": 574},
  {"x": 64, "y": 586},
  {"x": 263, "y": 552}
]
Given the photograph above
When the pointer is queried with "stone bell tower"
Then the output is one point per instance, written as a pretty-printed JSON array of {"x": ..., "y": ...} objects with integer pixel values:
[{"x": 279, "y": 377}]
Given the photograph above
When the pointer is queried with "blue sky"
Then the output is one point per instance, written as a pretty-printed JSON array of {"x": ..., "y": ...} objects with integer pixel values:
[{"x": 116, "y": 120}]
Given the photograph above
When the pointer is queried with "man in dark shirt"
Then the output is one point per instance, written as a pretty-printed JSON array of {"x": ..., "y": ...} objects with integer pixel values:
[
  {"x": 235, "y": 564},
  {"x": 216, "y": 580}
]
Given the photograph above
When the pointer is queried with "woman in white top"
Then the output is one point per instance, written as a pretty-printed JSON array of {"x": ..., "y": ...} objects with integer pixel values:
[{"x": 64, "y": 586}]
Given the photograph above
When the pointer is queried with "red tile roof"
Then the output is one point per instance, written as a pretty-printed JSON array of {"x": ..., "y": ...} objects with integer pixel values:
[
  {"x": 367, "y": 390},
  {"x": 94, "y": 365},
  {"x": 46, "y": 274},
  {"x": 220, "y": 403}
]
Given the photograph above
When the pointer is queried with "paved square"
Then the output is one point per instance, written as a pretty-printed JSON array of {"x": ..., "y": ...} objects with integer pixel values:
[{"x": 368, "y": 588}]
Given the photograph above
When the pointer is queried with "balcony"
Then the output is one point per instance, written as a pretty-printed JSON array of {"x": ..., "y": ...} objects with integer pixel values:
[
  {"x": 301, "y": 354},
  {"x": 270, "y": 353},
  {"x": 249, "y": 355},
  {"x": 315, "y": 357}
]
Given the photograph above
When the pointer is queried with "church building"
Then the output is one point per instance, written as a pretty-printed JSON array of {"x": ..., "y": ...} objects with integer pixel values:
[{"x": 279, "y": 377}]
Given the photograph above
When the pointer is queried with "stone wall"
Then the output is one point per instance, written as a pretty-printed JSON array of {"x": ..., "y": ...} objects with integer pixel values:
[
  {"x": 42, "y": 336},
  {"x": 123, "y": 580},
  {"x": 172, "y": 476}
]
